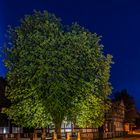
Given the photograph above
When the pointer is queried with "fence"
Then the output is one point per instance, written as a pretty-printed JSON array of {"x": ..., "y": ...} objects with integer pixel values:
[{"x": 105, "y": 135}]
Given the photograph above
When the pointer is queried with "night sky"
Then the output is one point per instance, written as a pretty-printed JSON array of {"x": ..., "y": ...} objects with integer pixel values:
[{"x": 117, "y": 21}]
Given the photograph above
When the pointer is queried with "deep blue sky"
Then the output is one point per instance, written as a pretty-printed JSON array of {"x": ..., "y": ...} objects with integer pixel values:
[{"x": 117, "y": 21}]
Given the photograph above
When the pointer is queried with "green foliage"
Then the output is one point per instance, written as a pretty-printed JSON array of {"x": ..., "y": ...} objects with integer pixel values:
[{"x": 56, "y": 72}]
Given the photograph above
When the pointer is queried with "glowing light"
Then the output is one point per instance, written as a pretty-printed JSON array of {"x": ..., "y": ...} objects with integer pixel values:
[{"x": 4, "y": 130}]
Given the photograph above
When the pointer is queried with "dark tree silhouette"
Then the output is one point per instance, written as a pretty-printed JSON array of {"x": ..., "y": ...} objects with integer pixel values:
[{"x": 4, "y": 102}]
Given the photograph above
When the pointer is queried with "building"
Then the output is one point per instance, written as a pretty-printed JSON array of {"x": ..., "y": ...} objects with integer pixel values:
[{"x": 114, "y": 120}]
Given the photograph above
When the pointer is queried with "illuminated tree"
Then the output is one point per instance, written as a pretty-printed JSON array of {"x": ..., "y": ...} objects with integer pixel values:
[{"x": 56, "y": 73}]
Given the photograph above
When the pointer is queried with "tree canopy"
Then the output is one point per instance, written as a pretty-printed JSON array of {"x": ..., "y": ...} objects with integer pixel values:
[{"x": 56, "y": 73}]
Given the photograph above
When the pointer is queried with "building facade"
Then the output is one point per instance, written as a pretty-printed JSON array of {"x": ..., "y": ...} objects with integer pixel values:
[{"x": 114, "y": 120}]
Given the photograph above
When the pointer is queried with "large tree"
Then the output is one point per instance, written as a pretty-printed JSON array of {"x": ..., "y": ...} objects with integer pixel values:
[{"x": 56, "y": 73}]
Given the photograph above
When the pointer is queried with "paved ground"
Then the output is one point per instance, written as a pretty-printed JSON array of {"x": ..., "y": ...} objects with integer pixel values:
[
  {"x": 135, "y": 138},
  {"x": 131, "y": 138}
]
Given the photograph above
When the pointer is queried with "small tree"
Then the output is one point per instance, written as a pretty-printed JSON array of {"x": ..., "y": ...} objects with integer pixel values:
[{"x": 56, "y": 73}]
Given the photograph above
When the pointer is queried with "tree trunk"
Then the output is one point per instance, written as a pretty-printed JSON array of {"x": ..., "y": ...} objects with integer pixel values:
[
  {"x": 58, "y": 129},
  {"x": 43, "y": 136}
]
